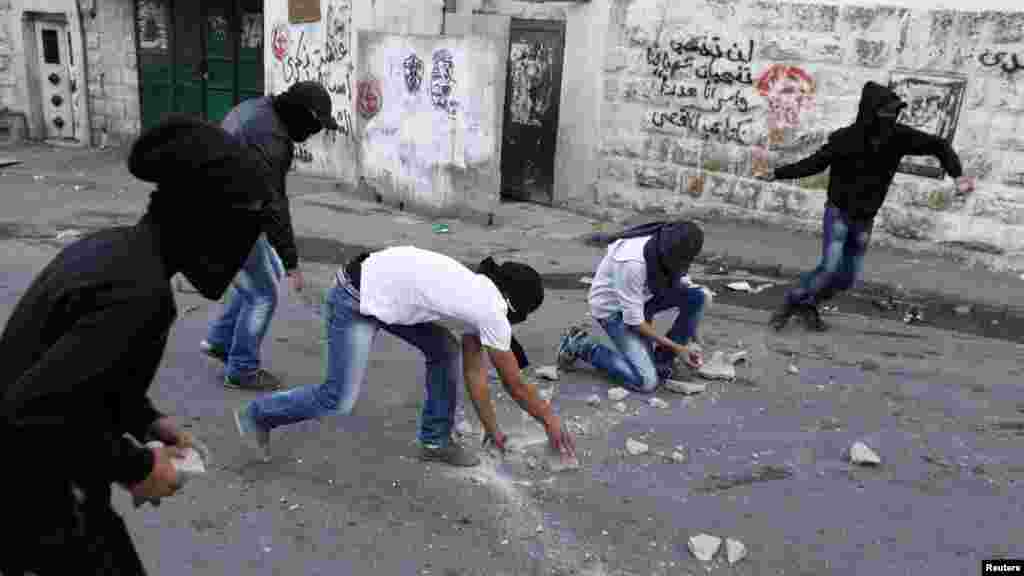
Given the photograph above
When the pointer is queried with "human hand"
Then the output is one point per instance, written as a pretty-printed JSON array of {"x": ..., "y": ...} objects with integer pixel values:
[
  {"x": 560, "y": 439},
  {"x": 297, "y": 280},
  {"x": 162, "y": 480},
  {"x": 692, "y": 354},
  {"x": 965, "y": 185},
  {"x": 765, "y": 175}
]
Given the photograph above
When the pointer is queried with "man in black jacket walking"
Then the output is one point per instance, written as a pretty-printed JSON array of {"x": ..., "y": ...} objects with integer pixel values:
[
  {"x": 271, "y": 125},
  {"x": 84, "y": 342},
  {"x": 863, "y": 158}
]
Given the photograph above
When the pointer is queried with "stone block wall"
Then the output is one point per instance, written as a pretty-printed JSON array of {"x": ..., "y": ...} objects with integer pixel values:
[
  {"x": 113, "y": 76},
  {"x": 8, "y": 60},
  {"x": 701, "y": 95}
]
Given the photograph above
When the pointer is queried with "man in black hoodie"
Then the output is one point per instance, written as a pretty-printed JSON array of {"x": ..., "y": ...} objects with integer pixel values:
[
  {"x": 863, "y": 158},
  {"x": 270, "y": 125},
  {"x": 84, "y": 342}
]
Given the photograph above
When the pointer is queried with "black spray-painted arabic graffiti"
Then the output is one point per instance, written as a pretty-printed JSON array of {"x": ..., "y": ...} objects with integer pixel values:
[
  {"x": 665, "y": 64},
  {"x": 442, "y": 81},
  {"x": 303, "y": 155},
  {"x": 304, "y": 64},
  {"x": 1007, "y": 61},
  {"x": 412, "y": 68},
  {"x": 695, "y": 120}
]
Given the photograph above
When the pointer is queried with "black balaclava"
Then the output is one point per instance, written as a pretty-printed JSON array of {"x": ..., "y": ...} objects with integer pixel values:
[
  {"x": 519, "y": 283},
  {"x": 876, "y": 119},
  {"x": 208, "y": 207},
  {"x": 669, "y": 253},
  {"x": 305, "y": 109}
]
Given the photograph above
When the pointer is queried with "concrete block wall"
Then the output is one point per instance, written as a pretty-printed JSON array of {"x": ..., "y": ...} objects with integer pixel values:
[
  {"x": 113, "y": 76},
  {"x": 699, "y": 95},
  {"x": 8, "y": 58}
]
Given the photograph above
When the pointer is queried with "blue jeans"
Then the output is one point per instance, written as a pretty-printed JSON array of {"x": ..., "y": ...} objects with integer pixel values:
[
  {"x": 634, "y": 361},
  {"x": 844, "y": 243},
  {"x": 350, "y": 337},
  {"x": 250, "y": 305}
]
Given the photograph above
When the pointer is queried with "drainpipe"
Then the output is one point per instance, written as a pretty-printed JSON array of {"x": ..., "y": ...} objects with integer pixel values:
[{"x": 84, "y": 66}]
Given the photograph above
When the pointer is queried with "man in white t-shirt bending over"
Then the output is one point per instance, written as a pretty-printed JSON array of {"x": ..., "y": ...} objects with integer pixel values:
[{"x": 406, "y": 291}]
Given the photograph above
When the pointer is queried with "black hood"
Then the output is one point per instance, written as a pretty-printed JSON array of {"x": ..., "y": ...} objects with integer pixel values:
[
  {"x": 873, "y": 98},
  {"x": 669, "y": 253},
  {"x": 520, "y": 284},
  {"x": 210, "y": 199}
]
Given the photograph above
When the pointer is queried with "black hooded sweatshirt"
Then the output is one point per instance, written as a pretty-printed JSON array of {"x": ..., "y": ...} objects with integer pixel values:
[{"x": 863, "y": 157}]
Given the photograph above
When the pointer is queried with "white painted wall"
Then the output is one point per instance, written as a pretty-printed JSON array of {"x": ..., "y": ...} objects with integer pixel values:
[{"x": 997, "y": 5}]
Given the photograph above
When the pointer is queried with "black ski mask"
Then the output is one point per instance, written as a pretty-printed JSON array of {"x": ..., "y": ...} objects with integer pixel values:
[
  {"x": 669, "y": 253},
  {"x": 520, "y": 284},
  {"x": 208, "y": 207},
  {"x": 305, "y": 109}
]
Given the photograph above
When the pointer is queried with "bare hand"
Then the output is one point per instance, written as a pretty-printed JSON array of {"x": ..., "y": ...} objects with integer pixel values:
[
  {"x": 297, "y": 280},
  {"x": 692, "y": 355},
  {"x": 561, "y": 439},
  {"x": 163, "y": 479},
  {"x": 965, "y": 185},
  {"x": 498, "y": 439},
  {"x": 765, "y": 176},
  {"x": 167, "y": 431}
]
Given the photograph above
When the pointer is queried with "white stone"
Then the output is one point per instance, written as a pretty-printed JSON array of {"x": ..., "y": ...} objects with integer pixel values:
[
  {"x": 718, "y": 368},
  {"x": 619, "y": 407},
  {"x": 793, "y": 369},
  {"x": 737, "y": 357},
  {"x": 678, "y": 457},
  {"x": 742, "y": 286},
  {"x": 635, "y": 448},
  {"x": 861, "y": 454},
  {"x": 704, "y": 546},
  {"x": 547, "y": 372},
  {"x": 546, "y": 394},
  {"x": 617, "y": 394},
  {"x": 657, "y": 403},
  {"x": 593, "y": 400},
  {"x": 734, "y": 550},
  {"x": 685, "y": 387}
]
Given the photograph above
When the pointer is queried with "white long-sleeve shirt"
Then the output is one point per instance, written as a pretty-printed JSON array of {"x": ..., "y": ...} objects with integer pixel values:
[{"x": 620, "y": 283}]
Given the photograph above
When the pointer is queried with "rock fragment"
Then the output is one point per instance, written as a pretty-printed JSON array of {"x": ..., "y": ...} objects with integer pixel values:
[
  {"x": 593, "y": 400},
  {"x": 704, "y": 546},
  {"x": 861, "y": 454},
  {"x": 617, "y": 394},
  {"x": 685, "y": 387},
  {"x": 734, "y": 550},
  {"x": 635, "y": 448},
  {"x": 657, "y": 403},
  {"x": 547, "y": 372},
  {"x": 619, "y": 407}
]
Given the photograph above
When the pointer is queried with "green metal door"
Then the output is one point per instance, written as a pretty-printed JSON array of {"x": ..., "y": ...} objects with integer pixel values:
[{"x": 203, "y": 69}]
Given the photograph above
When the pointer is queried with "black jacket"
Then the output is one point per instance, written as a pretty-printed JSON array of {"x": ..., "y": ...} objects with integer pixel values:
[
  {"x": 256, "y": 123},
  {"x": 79, "y": 352},
  {"x": 861, "y": 169}
]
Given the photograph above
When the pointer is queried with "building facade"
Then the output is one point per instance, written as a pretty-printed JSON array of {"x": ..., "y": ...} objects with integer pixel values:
[{"x": 657, "y": 105}]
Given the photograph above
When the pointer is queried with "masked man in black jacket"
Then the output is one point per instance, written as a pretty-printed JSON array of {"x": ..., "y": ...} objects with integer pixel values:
[
  {"x": 271, "y": 125},
  {"x": 84, "y": 342},
  {"x": 863, "y": 158}
]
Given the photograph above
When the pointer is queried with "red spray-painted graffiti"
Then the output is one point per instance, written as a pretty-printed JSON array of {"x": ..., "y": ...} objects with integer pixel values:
[
  {"x": 790, "y": 92},
  {"x": 279, "y": 41},
  {"x": 369, "y": 97}
]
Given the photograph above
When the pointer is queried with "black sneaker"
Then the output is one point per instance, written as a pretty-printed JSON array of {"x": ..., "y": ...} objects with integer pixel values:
[
  {"x": 812, "y": 318},
  {"x": 258, "y": 380},
  {"x": 781, "y": 316},
  {"x": 213, "y": 352},
  {"x": 454, "y": 454}
]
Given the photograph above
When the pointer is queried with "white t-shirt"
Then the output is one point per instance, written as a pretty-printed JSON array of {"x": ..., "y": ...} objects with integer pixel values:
[
  {"x": 405, "y": 285},
  {"x": 620, "y": 283}
]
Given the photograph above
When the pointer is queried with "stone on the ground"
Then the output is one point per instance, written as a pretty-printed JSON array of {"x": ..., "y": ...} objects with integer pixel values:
[
  {"x": 793, "y": 369},
  {"x": 617, "y": 394},
  {"x": 704, "y": 546},
  {"x": 734, "y": 550},
  {"x": 741, "y": 286},
  {"x": 547, "y": 372},
  {"x": 635, "y": 448},
  {"x": 546, "y": 393},
  {"x": 678, "y": 457},
  {"x": 718, "y": 368},
  {"x": 737, "y": 357},
  {"x": 657, "y": 403},
  {"x": 685, "y": 387},
  {"x": 861, "y": 454},
  {"x": 619, "y": 407},
  {"x": 962, "y": 310},
  {"x": 593, "y": 400}
]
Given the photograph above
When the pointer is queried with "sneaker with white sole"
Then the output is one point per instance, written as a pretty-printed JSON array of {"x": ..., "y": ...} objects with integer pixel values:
[
  {"x": 454, "y": 454},
  {"x": 568, "y": 347},
  {"x": 252, "y": 433},
  {"x": 214, "y": 352}
]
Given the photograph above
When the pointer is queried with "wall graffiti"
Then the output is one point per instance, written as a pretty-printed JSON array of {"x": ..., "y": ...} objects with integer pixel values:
[
  {"x": 1008, "y": 62},
  {"x": 789, "y": 91},
  {"x": 326, "y": 60},
  {"x": 716, "y": 106},
  {"x": 303, "y": 155},
  {"x": 369, "y": 98},
  {"x": 279, "y": 42},
  {"x": 933, "y": 106},
  {"x": 252, "y": 30},
  {"x": 530, "y": 70},
  {"x": 442, "y": 81},
  {"x": 412, "y": 71}
]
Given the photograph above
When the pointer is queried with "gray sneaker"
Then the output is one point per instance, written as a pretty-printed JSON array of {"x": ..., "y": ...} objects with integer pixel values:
[
  {"x": 258, "y": 380},
  {"x": 454, "y": 454},
  {"x": 568, "y": 347},
  {"x": 252, "y": 433}
]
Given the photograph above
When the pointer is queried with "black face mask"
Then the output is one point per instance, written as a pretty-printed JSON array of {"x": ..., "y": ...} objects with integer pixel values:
[{"x": 300, "y": 121}]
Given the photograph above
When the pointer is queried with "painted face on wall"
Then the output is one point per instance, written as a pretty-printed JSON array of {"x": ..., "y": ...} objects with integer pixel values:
[
  {"x": 442, "y": 79},
  {"x": 412, "y": 68}
]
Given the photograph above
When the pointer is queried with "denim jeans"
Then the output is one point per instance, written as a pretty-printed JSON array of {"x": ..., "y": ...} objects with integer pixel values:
[
  {"x": 844, "y": 243},
  {"x": 634, "y": 361},
  {"x": 250, "y": 305},
  {"x": 350, "y": 337}
]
